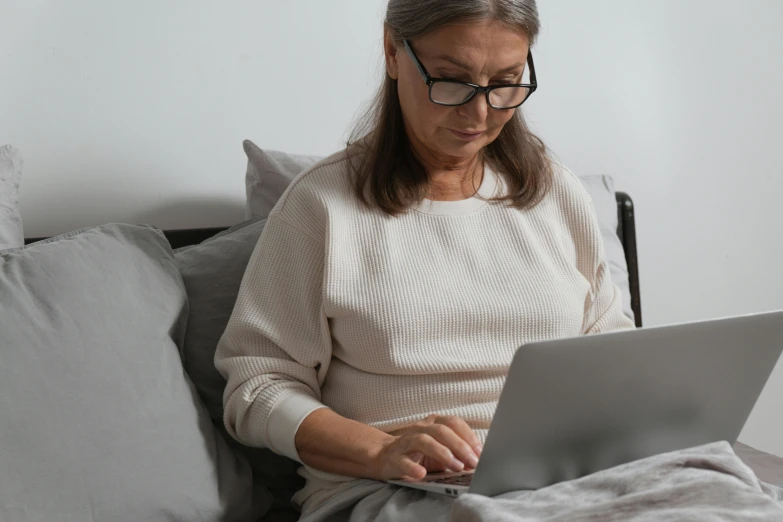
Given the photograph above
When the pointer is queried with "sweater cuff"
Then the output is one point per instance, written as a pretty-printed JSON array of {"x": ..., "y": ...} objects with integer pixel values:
[{"x": 284, "y": 421}]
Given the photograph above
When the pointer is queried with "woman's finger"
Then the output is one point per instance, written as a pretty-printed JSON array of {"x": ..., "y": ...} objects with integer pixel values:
[
  {"x": 432, "y": 448},
  {"x": 416, "y": 457},
  {"x": 461, "y": 428},
  {"x": 432, "y": 466},
  {"x": 456, "y": 445},
  {"x": 409, "y": 469}
]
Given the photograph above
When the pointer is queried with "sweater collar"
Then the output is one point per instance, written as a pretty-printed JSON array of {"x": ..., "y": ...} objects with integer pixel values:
[{"x": 488, "y": 188}]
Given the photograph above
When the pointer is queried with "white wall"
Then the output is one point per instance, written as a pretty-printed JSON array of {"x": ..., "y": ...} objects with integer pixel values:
[
  {"x": 680, "y": 101},
  {"x": 135, "y": 111}
]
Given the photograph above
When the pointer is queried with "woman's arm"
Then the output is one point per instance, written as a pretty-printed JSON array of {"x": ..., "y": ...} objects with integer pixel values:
[
  {"x": 329, "y": 442},
  {"x": 605, "y": 314},
  {"x": 604, "y": 307},
  {"x": 276, "y": 348},
  {"x": 332, "y": 443}
]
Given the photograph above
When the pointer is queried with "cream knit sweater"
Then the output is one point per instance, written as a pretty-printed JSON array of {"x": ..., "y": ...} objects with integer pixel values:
[{"x": 389, "y": 319}]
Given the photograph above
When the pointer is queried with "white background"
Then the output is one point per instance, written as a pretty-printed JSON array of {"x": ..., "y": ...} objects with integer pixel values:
[{"x": 135, "y": 112}]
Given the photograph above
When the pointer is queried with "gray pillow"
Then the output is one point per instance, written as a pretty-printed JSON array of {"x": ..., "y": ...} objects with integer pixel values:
[
  {"x": 97, "y": 419},
  {"x": 11, "y": 235},
  {"x": 270, "y": 172},
  {"x": 212, "y": 272}
]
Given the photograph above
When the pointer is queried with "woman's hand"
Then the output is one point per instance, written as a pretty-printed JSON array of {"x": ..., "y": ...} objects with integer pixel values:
[{"x": 438, "y": 443}]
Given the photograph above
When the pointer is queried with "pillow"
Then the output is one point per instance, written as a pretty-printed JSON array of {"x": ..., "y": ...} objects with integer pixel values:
[
  {"x": 97, "y": 418},
  {"x": 212, "y": 272},
  {"x": 270, "y": 172},
  {"x": 11, "y": 235}
]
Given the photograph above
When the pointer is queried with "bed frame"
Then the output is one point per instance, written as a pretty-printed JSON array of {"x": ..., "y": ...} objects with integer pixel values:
[{"x": 626, "y": 230}]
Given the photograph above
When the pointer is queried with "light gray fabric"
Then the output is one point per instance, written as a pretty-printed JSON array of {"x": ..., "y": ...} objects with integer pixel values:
[
  {"x": 270, "y": 172},
  {"x": 708, "y": 483},
  {"x": 97, "y": 418},
  {"x": 212, "y": 272},
  {"x": 11, "y": 234},
  {"x": 601, "y": 190}
]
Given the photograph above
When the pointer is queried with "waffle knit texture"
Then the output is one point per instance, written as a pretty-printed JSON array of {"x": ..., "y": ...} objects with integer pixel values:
[{"x": 386, "y": 319}]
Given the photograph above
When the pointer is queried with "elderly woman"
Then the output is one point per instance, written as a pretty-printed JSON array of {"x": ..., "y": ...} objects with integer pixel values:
[{"x": 395, "y": 280}]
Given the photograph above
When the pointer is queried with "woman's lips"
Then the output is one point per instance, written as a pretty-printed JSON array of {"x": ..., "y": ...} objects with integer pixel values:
[{"x": 467, "y": 136}]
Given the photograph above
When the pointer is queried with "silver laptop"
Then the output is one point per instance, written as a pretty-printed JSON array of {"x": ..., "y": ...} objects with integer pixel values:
[{"x": 576, "y": 406}]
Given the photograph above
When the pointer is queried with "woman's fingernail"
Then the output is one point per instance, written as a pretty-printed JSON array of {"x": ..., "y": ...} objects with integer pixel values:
[
  {"x": 478, "y": 449},
  {"x": 472, "y": 460},
  {"x": 456, "y": 465}
]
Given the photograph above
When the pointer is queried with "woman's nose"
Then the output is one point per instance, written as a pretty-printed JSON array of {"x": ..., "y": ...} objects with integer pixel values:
[{"x": 476, "y": 109}]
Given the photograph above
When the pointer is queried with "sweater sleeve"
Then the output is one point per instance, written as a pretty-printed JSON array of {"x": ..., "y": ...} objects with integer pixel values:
[
  {"x": 276, "y": 348},
  {"x": 605, "y": 314},
  {"x": 605, "y": 311},
  {"x": 604, "y": 307}
]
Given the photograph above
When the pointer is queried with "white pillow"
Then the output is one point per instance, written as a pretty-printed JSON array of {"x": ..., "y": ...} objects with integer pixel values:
[
  {"x": 270, "y": 172},
  {"x": 11, "y": 234}
]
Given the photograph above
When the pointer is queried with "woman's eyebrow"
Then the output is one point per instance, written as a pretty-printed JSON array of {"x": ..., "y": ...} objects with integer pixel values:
[{"x": 463, "y": 65}]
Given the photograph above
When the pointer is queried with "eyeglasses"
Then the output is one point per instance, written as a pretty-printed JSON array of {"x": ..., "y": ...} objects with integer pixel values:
[{"x": 453, "y": 93}]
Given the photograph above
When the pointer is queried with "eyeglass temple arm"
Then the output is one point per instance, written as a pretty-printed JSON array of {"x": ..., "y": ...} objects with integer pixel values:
[
  {"x": 419, "y": 65},
  {"x": 532, "y": 65}
]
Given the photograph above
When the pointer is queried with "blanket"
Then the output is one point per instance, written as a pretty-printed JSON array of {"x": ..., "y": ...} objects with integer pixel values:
[
  {"x": 701, "y": 484},
  {"x": 707, "y": 483}
]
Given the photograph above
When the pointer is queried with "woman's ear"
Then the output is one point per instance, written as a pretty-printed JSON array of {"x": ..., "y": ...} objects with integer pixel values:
[{"x": 390, "y": 50}]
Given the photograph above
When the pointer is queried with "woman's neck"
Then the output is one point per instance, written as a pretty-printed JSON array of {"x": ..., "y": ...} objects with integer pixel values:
[
  {"x": 451, "y": 179},
  {"x": 454, "y": 185}
]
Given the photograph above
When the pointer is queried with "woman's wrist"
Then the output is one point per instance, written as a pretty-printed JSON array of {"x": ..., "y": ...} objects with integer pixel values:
[{"x": 329, "y": 442}]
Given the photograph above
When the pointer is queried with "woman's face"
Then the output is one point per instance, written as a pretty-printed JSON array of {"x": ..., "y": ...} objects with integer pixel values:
[{"x": 484, "y": 53}]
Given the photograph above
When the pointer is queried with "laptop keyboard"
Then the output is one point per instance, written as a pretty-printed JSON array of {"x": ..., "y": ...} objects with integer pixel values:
[{"x": 459, "y": 480}]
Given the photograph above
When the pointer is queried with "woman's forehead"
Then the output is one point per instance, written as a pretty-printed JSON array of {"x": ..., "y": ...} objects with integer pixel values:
[{"x": 479, "y": 44}]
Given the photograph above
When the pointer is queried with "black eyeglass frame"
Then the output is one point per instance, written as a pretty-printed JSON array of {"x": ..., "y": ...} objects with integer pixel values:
[{"x": 430, "y": 81}]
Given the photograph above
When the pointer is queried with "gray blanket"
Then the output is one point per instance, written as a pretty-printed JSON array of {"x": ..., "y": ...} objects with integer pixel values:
[{"x": 708, "y": 483}]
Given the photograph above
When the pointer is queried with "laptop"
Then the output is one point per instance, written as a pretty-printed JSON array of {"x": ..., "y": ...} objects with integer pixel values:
[{"x": 575, "y": 406}]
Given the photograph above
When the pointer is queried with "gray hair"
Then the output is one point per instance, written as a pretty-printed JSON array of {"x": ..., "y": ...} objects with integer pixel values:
[
  {"x": 386, "y": 174},
  {"x": 408, "y": 19}
]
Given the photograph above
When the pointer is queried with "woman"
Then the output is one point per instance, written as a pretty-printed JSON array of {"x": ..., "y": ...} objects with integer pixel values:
[{"x": 394, "y": 281}]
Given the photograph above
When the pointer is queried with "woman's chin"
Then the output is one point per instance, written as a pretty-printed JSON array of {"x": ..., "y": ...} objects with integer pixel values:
[{"x": 456, "y": 147}]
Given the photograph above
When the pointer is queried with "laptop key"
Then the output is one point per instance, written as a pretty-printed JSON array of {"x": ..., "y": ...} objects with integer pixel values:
[{"x": 458, "y": 480}]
